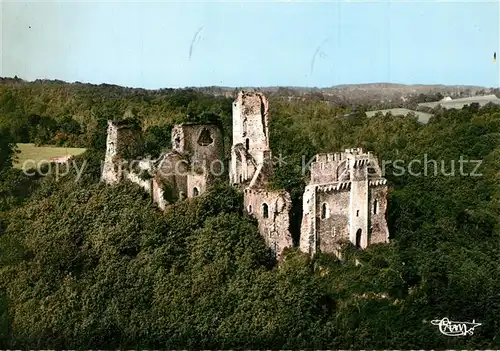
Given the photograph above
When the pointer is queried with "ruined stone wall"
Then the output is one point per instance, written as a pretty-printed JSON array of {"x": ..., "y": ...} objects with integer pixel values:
[
  {"x": 358, "y": 234},
  {"x": 200, "y": 141},
  {"x": 251, "y": 124},
  {"x": 147, "y": 185},
  {"x": 171, "y": 175},
  {"x": 196, "y": 185},
  {"x": 195, "y": 162},
  {"x": 332, "y": 216},
  {"x": 308, "y": 242},
  {"x": 122, "y": 144},
  {"x": 158, "y": 196},
  {"x": 378, "y": 212},
  {"x": 325, "y": 221},
  {"x": 242, "y": 166},
  {"x": 110, "y": 170},
  {"x": 203, "y": 147},
  {"x": 272, "y": 211}
]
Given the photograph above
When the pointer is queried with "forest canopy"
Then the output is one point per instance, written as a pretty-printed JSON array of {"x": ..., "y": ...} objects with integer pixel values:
[{"x": 84, "y": 265}]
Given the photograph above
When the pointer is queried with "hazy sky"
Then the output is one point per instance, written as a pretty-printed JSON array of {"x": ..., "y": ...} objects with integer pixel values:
[{"x": 249, "y": 43}]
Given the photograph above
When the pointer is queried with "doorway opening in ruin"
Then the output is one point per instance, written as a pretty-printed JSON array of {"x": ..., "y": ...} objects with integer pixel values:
[
  {"x": 265, "y": 210},
  {"x": 358, "y": 238},
  {"x": 196, "y": 192},
  {"x": 295, "y": 218}
]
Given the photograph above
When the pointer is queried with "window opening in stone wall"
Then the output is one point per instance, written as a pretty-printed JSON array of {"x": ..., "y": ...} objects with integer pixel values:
[
  {"x": 249, "y": 208},
  {"x": 265, "y": 210},
  {"x": 205, "y": 138},
  {"x": 177, "y": 141},
  {"x": 247, "y": 144},
  {"x": 357, "y": 213},
  {"x": 324, "y": 210},
  {"x": 195, "y": 191},
  {"x": 375, "y": 206}
]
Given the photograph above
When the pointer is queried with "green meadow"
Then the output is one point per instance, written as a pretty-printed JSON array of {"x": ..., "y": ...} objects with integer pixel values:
[{"x": 42, "y": 153}]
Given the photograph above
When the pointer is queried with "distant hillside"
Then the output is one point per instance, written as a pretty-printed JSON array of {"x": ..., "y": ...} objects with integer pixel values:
[
  {"x": 85, "y": 102},
  {"x": 377, "y": 95}
]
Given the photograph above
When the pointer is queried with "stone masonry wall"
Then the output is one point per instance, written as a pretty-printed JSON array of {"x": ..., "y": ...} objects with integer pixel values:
[
  {"x": 332, "y": 215},
  {"x": 378, "y": 223},
  {"x": 250, "y": 135},
  {"x": 346, "y": 200},
  {"x": 121, "y": 143},
  {"x": 272, "y": 211},
  {"x": 308, "y": 242},
  {"x": 358, "y": 233}
]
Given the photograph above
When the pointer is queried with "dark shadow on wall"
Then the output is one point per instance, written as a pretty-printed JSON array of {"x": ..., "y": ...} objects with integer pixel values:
[{"x": 296, "y": 219}]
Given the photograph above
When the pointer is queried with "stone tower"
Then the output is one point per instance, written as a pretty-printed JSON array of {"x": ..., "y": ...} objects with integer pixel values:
[
  {"x": 250, "y": 154},
  {"x": 123, "y": 141},
  {"x": 251, "y": 168},
  {"x": 346, "y": 200}
]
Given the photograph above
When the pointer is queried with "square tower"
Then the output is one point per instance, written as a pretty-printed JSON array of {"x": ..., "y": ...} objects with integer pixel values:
[
  {"x": 250, "y": 153},
  {"x": 346, "y": 200},
  {"x": 122, "y": 144}
]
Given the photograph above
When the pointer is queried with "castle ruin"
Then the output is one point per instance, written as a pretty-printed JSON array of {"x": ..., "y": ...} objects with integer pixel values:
[
  {"x": 345, "y": 200},
  {"x": 188, "y": 170},
  {"x": 251, "y": 169}
]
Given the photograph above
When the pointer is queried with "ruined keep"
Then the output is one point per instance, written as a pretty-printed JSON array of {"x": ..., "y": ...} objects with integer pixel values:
[
  {"x": 251, "y": 168},
  {"x": 346, "y": 200},
  {"x": 188, "y": 170}
]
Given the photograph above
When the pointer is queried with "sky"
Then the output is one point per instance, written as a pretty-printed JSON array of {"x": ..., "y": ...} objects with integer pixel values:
[{"x": 166, "y": 44}]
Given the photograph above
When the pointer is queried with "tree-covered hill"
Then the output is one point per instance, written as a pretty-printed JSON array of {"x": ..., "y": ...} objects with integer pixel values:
[{"x": 83, "y": 265}]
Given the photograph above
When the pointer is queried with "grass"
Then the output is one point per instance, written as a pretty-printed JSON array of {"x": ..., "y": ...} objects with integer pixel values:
[{"x": 42, "y": 153}]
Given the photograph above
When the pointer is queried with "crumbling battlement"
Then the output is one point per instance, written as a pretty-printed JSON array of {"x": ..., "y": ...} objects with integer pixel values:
[{"x": 339, "y": 166}]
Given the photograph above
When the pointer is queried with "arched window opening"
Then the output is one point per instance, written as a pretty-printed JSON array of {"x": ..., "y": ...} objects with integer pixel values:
[
  {"x": 375, "y": 207},
  {"x": 265, "y": 210},
  {"x": 358, "y": 238},
  {"x": 247, "y": 144},
  {"x": 196, "y": 192},
  {"x": 249, "y": 208},
  {"x": 324, "y": 210}
]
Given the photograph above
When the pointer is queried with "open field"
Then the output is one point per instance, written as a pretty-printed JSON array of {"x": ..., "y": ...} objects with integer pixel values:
[
  {"x": 422, "y": 116},
  {"x": 40, "y": 153}
]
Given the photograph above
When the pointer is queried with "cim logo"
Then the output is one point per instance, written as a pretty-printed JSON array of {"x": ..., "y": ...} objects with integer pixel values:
[{"x": 451, "y": 328}]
